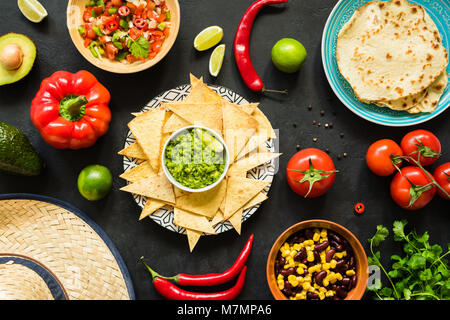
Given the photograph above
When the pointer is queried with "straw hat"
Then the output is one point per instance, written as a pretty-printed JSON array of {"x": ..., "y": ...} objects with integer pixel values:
[{"x": 50, "y": 250}]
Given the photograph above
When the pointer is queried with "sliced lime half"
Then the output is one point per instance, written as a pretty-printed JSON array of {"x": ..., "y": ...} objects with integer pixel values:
[
  {"x": 208, "y": 38},
  {"x": 216, "y": 60},
  {"x": 33, "y": 10}
]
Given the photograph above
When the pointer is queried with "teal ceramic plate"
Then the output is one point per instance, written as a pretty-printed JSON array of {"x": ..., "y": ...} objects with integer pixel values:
[{"x": 439, "y": 11}]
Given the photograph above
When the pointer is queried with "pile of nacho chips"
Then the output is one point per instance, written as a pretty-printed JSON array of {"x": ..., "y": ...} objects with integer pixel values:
[{"x": 245, "y": 130}]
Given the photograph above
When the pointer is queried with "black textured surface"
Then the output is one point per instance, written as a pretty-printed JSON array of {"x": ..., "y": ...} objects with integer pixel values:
[{"x": 166, "y": 251}]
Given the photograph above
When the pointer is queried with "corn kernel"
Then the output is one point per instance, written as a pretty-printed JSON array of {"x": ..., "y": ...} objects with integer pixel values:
[
  {"x": 329, "y": 293},
  {"x": 322, "y": 289},
  {"x": 316, "y": 237},
  {"x": 300, "y": 279},
  {"x": 280, "y": 284},
  {"x": 350, "y": 272},
  {"x": 333, "y": 263},
  {"x": 280, "y": 277},
  {"x": 307, "y": 278},
  {"x": 326, "y": 266},
  {"x": 323, "y": 233},
  {"x": 298, "y": 246},
  {"x": 321, "y": 295},
  {"x": 325, "y": 282},
  {"x": 306, "y": 285},
  {"x": 310, "y": 257},
  {"x": 300, "y": 270},
  {"x": 303, "y": 266},
  {"x": 339, "y": 276}
]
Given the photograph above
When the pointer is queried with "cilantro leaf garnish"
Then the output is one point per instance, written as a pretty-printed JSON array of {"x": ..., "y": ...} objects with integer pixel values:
[{"x": 140, "y": 48}]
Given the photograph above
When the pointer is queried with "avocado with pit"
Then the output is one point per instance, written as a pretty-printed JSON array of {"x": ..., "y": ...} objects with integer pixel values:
[
  {"x": 17, "y": 155},
  {"x": 17, "y": 56}
]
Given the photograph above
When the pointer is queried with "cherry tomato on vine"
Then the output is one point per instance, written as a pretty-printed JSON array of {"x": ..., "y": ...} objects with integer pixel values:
[
  {"x": 310, "y": 173},
  {"x": 421, "y": 145},
  {"x": 442, "y": 176},
  {"x": 411, "y": 188},
  {"x": 380, "y": 157}
]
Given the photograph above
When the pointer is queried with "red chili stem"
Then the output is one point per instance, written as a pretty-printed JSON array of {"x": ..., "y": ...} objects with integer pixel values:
[
  {"x": 170, "y": 291},
  {"x": 242, "y": 47}
]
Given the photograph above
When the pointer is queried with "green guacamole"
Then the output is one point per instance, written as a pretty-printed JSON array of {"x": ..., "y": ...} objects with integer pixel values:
[{"x": 195, "y": 158}]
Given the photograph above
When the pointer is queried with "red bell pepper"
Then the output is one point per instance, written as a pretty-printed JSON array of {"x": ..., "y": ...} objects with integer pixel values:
[{"x": 71, "y": 110}]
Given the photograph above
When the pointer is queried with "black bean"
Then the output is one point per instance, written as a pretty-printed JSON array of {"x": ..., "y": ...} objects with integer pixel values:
[
  {"x": 287, "y": 288},
  {"x": 300, "y": 255},
  {"x": 341, "y": 266},
  {"x": 329, "y": 255},
  {"x": 320, "y": 276},
  {"x": 351, "y": 262},
  {"x": 316, "y": 256},
  {"x": 335, "y": 237},
  {"x": 305, "y": 261},
  {"x": 312, "y": 295},
  {"x": 309, "y": 234},
  {"x": 321, "y": 246},
  {"x": 287, "y": 272},
  {"x": 341, "y": 292},
  {"x": 354, "y": 280},
  {"x": 346, "y": 281},
  {"x": 336, "y": 246}
]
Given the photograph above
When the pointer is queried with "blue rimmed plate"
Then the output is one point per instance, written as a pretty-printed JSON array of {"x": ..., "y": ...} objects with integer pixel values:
[{"x": 439, "y": 11}]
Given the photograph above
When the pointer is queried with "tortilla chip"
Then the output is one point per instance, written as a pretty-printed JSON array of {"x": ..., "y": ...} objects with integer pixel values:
[
  {"x": 193, "y": 237},
  {"x": 192, "y": 221},
  {"x": 238, "y": 127},
  {"x": 260, "y": 197},
  {"x": 175, "y": 123},
  {"x": 256, "y": 143},
  {"x": 147, "y": 129},
  {"x": 264, "y": 124},
  {"x": 194, "y": 80},
  {"x": 156, "y": 187},
  {"x": 236, "y": 220},
  {"x": 217, "y": 218},
  {"x": 134, "y": 150},
  {"x": 151, "y": 205},
  {"x": 178, "y": 192},
  {"x": 140, "y": 172},
  {"x": 201, "y": 93},
  {"x": 239, "y": 192},
  {"x": 203, "y": 114},
  {"x": 203, "y": 203},
  {"x": 248, "y": 108},
  {"x": 248, "y": 163}
]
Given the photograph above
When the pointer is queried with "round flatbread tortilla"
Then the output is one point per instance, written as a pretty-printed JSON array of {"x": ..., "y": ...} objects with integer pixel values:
[{"x": 413, "y": 59}]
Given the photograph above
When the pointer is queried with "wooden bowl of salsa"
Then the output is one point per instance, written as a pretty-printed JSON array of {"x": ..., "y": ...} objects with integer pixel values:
[{"x": 123, "y": 37}]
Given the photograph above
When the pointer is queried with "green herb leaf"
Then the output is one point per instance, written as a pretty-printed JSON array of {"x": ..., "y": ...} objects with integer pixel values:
[
  {"x": 140, "y": 48},
  {"x": 380, "y": 235}
]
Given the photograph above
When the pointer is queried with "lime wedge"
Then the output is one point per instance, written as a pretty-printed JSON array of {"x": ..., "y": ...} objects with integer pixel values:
[
  {"x": 208, "y": 38},
  {"x": 216, "y": 60},
  {"x": 33, "y": 10}
]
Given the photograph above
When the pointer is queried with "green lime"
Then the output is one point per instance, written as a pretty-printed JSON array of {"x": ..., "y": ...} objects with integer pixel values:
[
  {"x": 94, "y": 182},
  {"x": 288, "y": 55}
]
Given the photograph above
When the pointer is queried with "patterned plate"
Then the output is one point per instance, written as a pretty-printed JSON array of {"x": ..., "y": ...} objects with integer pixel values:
[
  {"x": 164, "y": 216},
  {"x": 439, "y": 11}
]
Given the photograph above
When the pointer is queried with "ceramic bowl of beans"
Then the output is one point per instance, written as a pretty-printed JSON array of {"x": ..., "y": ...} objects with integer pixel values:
[{"x": 317, "y": 260}]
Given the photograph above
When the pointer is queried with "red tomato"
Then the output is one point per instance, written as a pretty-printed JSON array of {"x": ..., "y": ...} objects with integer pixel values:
[
  {"x": 442, "y": 177},
  {"x": 135, "y": 33},
  {"x": 408, "y": 191},
  {"x": 378, "y": 157},
  {"x": 310, "y": 173},
  {"x": 423, "y": 143}
]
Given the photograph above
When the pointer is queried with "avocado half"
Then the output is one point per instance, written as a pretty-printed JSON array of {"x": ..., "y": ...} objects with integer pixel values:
[{"x": 29, "y": 56}]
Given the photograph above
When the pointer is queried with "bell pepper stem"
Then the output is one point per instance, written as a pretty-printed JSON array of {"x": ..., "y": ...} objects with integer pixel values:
[{"x": 72, "y": 108}]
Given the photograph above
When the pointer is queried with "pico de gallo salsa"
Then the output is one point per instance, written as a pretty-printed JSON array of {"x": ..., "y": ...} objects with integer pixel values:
[{"x": 125, "y": 31}]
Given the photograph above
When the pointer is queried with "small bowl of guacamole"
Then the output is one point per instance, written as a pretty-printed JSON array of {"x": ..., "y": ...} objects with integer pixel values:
[{"x": 195, "y": 159}]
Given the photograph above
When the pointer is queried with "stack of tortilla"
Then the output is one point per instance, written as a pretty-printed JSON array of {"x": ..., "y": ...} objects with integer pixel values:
[
  {"x": 391, "y": 54},
  {"x": 245, "y": 130}
]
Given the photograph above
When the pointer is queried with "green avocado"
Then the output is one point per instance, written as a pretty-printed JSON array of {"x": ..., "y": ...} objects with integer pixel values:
[
  {"x": 26, "y": 53},
  {"x": 17, "y": 155}
]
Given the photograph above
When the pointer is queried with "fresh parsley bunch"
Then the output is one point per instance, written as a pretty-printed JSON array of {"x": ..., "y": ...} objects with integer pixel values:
[{"x": 422, "y": 273}]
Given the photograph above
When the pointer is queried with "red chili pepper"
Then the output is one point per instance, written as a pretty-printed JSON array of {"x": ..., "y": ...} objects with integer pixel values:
[
  {"x": 242, "y": 44},
  {"x": 124, "y": 11},
  {"x": 360, "y": 208},
  {"x": 140, "y": 23},
  {"x": 112, "y": 24},
  {"x": 170, "y": 291},
  {"x": 212, "y": 279}
]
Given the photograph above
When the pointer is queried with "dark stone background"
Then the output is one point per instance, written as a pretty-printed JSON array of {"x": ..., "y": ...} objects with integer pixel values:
[{"x": 166, "y": 251}]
